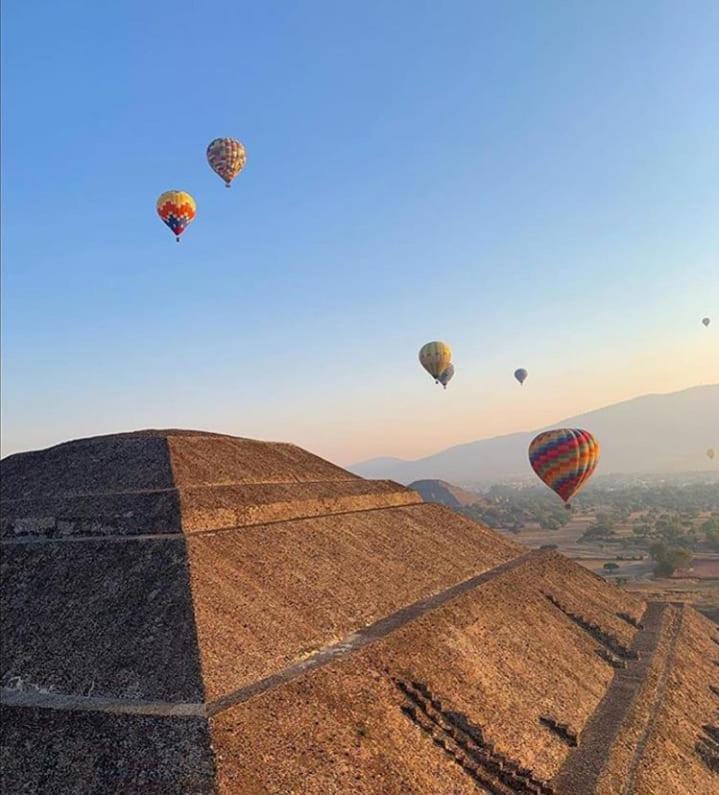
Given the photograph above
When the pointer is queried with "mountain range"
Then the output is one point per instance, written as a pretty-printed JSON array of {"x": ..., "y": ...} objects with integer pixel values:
[{"x": 648, "y": 434}]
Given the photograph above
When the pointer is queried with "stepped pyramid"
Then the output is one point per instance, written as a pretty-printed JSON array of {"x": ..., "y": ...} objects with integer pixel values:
[{"x": 187, "y": 612}]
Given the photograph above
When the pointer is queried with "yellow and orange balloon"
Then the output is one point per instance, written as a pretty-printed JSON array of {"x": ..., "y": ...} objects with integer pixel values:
[
  {"x": 177, "y": 209},
  {"x": 435, "y": 357}
]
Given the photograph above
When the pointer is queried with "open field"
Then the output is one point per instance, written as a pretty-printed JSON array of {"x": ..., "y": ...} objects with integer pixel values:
[
  {"x": 699, "y": 588},
  {"x": 703, "y": 595}
]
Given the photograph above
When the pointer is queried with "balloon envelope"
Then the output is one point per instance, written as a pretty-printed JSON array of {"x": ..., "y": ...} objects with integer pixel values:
[
  {"x": 706, "y": 321},
  {"x": 227, "y": 157},
  {"x": 446, "y": 376},
  {"x": 435, "y": 357},
  {"x": 521, "y": 375},
  {"x": 177, "y": 209},
  {"x": 564, "y": 459}
]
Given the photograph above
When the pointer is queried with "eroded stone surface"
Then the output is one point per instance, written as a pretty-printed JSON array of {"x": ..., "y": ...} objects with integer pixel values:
[
  {"x": 100, "y": 618},
  {"x": 147, "y": 573},
  {"x": 53, "y": 751}
]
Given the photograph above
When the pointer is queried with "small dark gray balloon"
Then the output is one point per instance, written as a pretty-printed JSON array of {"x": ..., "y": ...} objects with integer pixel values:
[{"x": 446, "y": 375}]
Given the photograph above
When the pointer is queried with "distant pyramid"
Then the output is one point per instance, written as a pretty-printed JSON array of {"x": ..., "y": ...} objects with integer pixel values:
[{"x": 189, "y": 612}]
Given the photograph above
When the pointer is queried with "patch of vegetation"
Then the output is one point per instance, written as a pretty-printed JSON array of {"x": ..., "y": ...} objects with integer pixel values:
[
  {"x": 628, "y": 512},
  {"x": 506, "y": 508},
  {"x": 668, "y": 559},
  {"x": 601, "y": 530}
]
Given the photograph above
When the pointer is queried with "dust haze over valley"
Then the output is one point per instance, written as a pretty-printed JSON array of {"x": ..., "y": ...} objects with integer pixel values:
[{"x": 649, "y": 434}]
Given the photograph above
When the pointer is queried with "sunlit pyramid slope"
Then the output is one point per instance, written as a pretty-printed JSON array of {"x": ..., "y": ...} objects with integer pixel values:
[{"x": 190, "y": 612}]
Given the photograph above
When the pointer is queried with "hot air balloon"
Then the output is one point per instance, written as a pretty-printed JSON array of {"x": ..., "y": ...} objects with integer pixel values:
[
  {"x": 710, "y": 453},
  {"x": 446, "y": 376},
  {"x": 435, "y": 357},
  {"x": 706, "y": 321},
  {"x": 564, "y": 459},
  {"x": 520, "y": 375},
  {"x": 177, "y": 209},
  {"x": 227, "y": 158}
]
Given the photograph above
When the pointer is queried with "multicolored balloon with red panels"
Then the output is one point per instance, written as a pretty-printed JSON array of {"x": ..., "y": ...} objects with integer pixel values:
[
  {"x": 227, "y": 157},
  {"x": 177, "y": 209},
  {"x": 564, "y": 459}
]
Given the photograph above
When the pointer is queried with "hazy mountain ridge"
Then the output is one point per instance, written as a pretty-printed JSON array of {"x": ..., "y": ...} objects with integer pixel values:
[{"x": 652, "y": 433}]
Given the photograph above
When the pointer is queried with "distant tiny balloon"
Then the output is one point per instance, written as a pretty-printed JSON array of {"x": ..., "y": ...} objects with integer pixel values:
[
  {"x": 446, "y": 376},
  {"x": 706, "y": 321},
  {"x": 521, "y": 375},
  {"x": 710, "y": 453},
  {"x": 435, "y": 357},
  {"x": 564, "y": 459}
]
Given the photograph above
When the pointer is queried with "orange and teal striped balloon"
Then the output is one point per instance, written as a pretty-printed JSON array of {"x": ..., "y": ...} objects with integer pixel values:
[
  {"x": 177, "y": 209},
  {"x": 564, "y": 459}
]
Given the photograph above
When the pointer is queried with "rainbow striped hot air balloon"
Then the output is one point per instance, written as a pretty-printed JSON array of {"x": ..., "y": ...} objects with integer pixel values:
[
  {"x": 564, "y": 459},
  {"x": 227, "y": 158},
  {"x": 177, "y": 209}
]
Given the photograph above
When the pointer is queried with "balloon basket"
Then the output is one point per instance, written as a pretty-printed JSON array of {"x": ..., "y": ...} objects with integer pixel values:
[{"x": 567, "y": 506}]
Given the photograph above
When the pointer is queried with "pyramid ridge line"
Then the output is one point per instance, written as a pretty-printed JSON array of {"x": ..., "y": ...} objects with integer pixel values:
[
  {"x": 353, "y": 641},
  {"x": 583, "y": 767},
  {"x": 117, "y": 706},
  {"x": 150, "y": 433},
  {"x": 194, "y": 533},
  {"x": 220, "y": 484}
]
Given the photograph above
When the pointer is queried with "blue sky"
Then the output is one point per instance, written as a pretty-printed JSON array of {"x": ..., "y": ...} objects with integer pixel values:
[{"x": 536, "y": 183}]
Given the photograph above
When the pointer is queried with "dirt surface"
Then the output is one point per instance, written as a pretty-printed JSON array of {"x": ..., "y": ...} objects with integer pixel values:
[
  {"x": 237, "y": 505},
  {"x": 88, "y": 466},
  {"x": 700, "y": 594},
  {"x": 471, "y": 653},
  {"x": 83, "y": 753},
  {"x": 99, "y": 618},
  {"x": 342, "y": 728},
  {"x": 680, "y": 717},
  {"x": 202, "y": 460},
  {"x": 267, "y": 596},
  {"x": 356, "y": 640},
  {"x": 654, "y": 646},
  {"x": 369, "y": 634}
]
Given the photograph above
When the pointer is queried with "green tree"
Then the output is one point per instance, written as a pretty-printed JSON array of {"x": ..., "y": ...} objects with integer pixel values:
[
  {"x": 641, "y": 529},
  {"x": 710, "y": 528},
  {"x": 604, "y": 520},
  {"x": 668, "y": 559}
]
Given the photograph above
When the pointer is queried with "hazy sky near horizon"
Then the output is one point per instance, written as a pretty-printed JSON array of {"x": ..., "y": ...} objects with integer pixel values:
[{"x": 535, "y": 183}]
